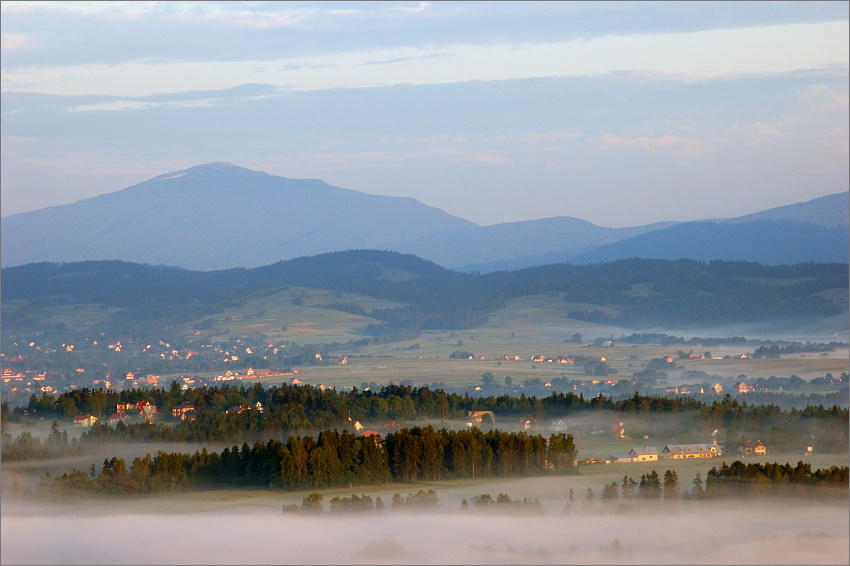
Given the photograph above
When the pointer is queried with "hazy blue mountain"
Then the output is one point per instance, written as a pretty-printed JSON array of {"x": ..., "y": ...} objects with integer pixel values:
[
  {"x": 515, "y": 245},
  {"x": 766, "y": 241},
  {"x": 219, "y": 216},
  {"x": 830, "y": 211}
]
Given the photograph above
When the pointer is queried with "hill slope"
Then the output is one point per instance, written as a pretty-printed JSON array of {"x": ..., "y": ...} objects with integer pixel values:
[
  {"x": 635, "y": 292},
  {"x": 830, "y": 211},
  {"x": 772, "y": 241}
]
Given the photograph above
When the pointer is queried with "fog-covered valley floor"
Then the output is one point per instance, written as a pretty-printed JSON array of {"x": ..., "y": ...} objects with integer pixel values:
[{"x": 154, "y": 531}]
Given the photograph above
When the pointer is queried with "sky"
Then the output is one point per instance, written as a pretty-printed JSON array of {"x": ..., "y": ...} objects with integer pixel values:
[{"x": 621, "y": 113}]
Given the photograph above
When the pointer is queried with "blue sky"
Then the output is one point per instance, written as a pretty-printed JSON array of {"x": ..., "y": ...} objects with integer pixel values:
[{"x": 619, "y": 113}]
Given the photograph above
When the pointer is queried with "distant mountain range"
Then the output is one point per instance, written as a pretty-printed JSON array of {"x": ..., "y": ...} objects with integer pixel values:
[{"x": 219, "y": 216}]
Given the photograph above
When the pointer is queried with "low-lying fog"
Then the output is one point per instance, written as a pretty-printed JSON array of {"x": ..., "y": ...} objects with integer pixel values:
[{"x": 746, "y": 532}]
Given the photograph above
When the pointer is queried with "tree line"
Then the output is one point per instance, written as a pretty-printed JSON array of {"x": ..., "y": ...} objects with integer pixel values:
[
  {"x": 303, "y": 409},
  {"x": 333, "y": 459},
  {"x": 150, "y": 301}
]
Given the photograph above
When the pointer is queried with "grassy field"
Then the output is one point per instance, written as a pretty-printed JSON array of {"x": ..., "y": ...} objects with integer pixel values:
[
  {"x": 527, "y": 326},
  {"x": 302, "y": 311}
]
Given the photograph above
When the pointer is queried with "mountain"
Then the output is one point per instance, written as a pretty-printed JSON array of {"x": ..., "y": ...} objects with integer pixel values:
[
  {"x": 515, "y": 245},
  {"x": 771, "y": 241},
  {"x": 219, "y": 216},
  {"x": 831, "y": 211}
]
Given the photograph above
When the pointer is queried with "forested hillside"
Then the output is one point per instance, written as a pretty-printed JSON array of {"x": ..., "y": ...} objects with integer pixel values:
[{"x": 643, "y": 292}]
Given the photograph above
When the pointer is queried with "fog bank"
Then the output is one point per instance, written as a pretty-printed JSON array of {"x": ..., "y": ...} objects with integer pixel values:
[{"x": 724, "y": 533}]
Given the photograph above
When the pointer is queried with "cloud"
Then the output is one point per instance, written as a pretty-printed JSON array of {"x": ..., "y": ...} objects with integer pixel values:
[
  {"x": 15, "y": 42},
  {"x": 759, "y": 132},
  {"x": 129, "y": 105},
  {"x": 675, "y": 144},
  {"x": 681, "y": 55},
  {"x": 417, "y": 9}
]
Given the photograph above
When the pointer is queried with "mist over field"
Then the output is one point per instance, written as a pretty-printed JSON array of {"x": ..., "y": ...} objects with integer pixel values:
[{"x": 749, "y": 532}]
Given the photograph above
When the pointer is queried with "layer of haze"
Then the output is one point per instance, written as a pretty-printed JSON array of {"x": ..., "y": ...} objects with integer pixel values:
[
  {"x": 617, "y": 113},
  {"x": 733, "y": 533}
]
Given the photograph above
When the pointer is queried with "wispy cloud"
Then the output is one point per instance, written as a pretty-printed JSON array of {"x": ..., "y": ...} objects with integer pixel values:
[
  {"x": 15, "y": 41},
  {"x": 127, "y": 105},
  {"x": 667, "y": 143},
  {"x": 737, "y": 52},
  {"x": 759, "y": 132}
]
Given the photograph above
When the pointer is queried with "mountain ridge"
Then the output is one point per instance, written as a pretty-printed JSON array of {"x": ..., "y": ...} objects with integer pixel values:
[{"x": 218, "y": 216}]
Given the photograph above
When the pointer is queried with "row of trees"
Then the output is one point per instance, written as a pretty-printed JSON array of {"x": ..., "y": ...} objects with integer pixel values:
[
  {"x": 423, "y": 453},
  {"x": 28, "y": 447},
  {"x": 756, "y": 478},
  {"x": 332, "y": 459},
  {"x": 737, "y": 479},
  {"x": 293, "y": 409}
]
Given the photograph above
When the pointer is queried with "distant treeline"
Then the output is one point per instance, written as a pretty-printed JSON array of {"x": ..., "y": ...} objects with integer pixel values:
[
  {"x": 766, "y": 347},
  {"x": 333, "y": 459},
  {"x": 302, "y": 409},
  {"x": 736, "y": 479},
  {"x": 150, "y": 299},
  {"x": 28, "y": 447},
  {"x": 755, "y": 478}
]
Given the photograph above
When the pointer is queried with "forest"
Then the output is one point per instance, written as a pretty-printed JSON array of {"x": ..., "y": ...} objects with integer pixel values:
[
  {"x": 333, "y": 459},
  {"x": 302, "y": 409},
  {"x": 152, "y": 299}
]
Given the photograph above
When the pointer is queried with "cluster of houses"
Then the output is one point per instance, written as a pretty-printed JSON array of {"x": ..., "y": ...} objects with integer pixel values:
[
  {"x": 538, "y": 358},
  {"x": 679, "y": 452},
  {"x": 669, "y": 452},
  {"x": 739, "y": 387}
]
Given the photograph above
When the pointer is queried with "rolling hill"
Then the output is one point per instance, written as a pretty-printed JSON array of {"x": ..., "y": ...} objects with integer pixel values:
[{"x": 637, "y": 293}]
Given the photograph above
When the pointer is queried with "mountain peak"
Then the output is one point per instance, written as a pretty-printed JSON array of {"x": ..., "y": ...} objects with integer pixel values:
[{"x": 203, "y": 169}]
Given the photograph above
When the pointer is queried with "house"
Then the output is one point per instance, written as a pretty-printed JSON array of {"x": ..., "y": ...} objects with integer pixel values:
[
  {"x": 357, "y": 426},
  {"x": 146, "y": 410},
  {"x": 742, "y": 387},
  {"x": 258, "y": 407},
  {"x": 718, "y": 388},
  {"x": 180, "y": 410},
  {"x": 117, "y": 417},
  {"x": 479, "y": 416},
  {"x": 374, "y": 435},
  {"x": 672, "y": 389},
  {"x": 623, "y": 459},
  {"x": 755, "y": 447},
  {"x": 85, "y": 420},
  {"x": 645, "y": 454},
  {"x": 689, "y": 451},
  {"x": 558, "y": 425}
]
